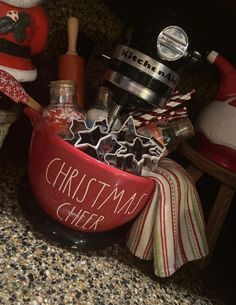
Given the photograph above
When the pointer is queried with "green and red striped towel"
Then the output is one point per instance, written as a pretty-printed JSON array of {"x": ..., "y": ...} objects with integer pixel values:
[{"x": 171, "y": 228}]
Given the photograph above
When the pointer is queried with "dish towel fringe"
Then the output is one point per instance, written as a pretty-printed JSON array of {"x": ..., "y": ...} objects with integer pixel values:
[{"x": 170, "y": 230}]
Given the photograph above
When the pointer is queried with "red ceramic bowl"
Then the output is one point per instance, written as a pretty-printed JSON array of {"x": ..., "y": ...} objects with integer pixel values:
[{"x": 77, "y": 190}]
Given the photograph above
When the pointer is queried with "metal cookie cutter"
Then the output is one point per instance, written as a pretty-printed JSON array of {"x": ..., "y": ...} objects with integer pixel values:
[
  {"x": 124, "y": 149},
  {"x": 132, "y": 157},
  {"x": 75, "y": 127},
  {"x": 95, "y": 141},
  {"x": 127, "y": 132},
  {"x": 136, "y": 153}
]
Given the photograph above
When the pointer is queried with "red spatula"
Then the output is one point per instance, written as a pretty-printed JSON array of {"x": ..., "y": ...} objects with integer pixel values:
[{"x": 14, "y": 90}]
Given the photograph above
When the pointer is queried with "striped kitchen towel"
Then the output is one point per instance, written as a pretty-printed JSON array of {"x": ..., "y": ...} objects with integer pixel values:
[{"x": 171, "y": 228}]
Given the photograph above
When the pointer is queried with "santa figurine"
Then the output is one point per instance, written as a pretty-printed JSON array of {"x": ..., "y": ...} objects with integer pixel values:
[
  {"x": 215, "y": 126},
  {"x": 23, "y": 33}
]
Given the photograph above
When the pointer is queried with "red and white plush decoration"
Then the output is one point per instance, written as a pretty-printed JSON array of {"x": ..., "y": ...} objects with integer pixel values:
[
  {"x": 215, "y": 126},
  {"x": 23, "y": 33}
]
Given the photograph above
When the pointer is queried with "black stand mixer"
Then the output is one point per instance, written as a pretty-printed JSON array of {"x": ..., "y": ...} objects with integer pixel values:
[{"x": 147, "y": 64}]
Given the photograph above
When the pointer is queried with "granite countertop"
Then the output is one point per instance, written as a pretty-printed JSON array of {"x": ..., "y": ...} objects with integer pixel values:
[{"x": 34, "y": 270}]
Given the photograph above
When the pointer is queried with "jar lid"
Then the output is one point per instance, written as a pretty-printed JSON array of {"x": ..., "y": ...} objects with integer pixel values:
[
  {"x": 63, "y": 83},
  {"x": 63, "y": 87}
]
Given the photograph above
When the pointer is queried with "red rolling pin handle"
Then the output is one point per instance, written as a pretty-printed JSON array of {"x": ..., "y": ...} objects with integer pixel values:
[{"x": 72, "y": 66}]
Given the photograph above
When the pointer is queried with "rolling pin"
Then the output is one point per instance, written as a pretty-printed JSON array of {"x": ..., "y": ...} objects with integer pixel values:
[{"x": 71, "y": 65}]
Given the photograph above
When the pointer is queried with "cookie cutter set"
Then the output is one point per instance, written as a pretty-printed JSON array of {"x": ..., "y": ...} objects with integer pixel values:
[{"x": 124, "y": 149}]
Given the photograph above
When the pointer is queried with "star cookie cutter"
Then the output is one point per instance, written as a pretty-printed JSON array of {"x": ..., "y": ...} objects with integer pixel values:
[
  {"x": 75, "y": 127},
  {"x": 136, "y": 151},
  {"x": 93, "y": 140}
]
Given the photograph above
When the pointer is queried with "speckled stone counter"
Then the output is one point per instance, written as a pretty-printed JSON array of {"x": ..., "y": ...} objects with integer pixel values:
[{"x": 34, "y": 270}]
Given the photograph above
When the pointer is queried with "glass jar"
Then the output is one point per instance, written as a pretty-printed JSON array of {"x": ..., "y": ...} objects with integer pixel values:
[
  {"x": 63, "y": 108},
  {"x": 102, "y": 108},
  {"x": 177, "y": 132},
  {"x": 169, "y": 135},
  {"x": 99, "y": 111}
]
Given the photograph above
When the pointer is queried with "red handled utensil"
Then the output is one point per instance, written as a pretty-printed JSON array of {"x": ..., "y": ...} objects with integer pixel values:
[
  {"x": 14, "y": 90},
  {"x": 71, "y": 65}
]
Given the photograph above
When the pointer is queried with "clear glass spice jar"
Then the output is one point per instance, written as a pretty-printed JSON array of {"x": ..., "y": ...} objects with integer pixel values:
[
  {"x": 176, "y": 132},
  {"x": 171, "y": 134},
  {"x": 102, "y": 108},
  {"x": 63, "y": 107},
  {"x": 99, "y": 110}
]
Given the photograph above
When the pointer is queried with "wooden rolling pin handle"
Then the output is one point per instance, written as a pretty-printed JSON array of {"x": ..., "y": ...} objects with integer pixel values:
[
  {"x": 34, "y": 105},
  {"x": 73, "y": 29}
]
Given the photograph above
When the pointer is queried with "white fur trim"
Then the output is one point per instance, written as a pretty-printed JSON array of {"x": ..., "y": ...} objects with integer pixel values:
[
  {"x": 21, "y": 75},
  {"x": 217, "y": 123},
  {"x": 212, "y": 56},
  {"x": 23, "y": 3}
]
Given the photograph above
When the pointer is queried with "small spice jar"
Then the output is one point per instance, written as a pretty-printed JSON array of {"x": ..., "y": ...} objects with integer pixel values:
[
  {"x": 169, "y": 134},
  {"x": 99, "y": 110},
  {"x": 63, "y": 107}
]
